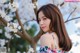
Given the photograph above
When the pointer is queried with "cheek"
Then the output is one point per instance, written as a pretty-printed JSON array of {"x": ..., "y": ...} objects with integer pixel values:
[{"x": 48, "y": 24}]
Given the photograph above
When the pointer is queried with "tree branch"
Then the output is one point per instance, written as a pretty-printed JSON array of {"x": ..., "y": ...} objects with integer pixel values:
[
  {"x": 11, "y": 1},
  {"x": 26, "y": 35},
  {"x": 5, "y": 24},
  {"x": 71, "y": 19},
  {"x": 71, "y": 13},
  {"x": 36, "y": 38},
  {"x": 1, "y": 23},
  {"x": 33, "y": 1},
  {"x": 62, "y": 4}
]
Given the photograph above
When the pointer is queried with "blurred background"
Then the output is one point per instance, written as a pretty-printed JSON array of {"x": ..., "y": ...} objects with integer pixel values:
[{"x": 19, "y": 29}]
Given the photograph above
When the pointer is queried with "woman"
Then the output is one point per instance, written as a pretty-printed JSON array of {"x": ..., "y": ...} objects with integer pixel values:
[{"x": 55, "y": 38}]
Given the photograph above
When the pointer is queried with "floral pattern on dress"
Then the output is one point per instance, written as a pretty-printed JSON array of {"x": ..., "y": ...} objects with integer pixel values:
[{"x": 46, "y": 49}]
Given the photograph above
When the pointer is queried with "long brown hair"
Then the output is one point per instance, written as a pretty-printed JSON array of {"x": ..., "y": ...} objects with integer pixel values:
[{"x": 57, "y": 24}]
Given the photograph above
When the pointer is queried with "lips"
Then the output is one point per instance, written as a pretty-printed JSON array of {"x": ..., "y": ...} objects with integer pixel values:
[{"x": 43, "y": 27}]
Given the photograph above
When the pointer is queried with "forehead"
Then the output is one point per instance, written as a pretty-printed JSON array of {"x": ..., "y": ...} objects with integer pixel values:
[{"x": 41, "y": 15}]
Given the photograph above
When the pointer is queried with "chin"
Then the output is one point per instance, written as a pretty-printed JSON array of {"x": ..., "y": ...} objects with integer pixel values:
[{"x": 45, "y": 31}]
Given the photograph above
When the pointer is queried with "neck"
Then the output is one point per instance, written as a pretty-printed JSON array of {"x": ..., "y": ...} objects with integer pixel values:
[{"x": 49, "y": 31}]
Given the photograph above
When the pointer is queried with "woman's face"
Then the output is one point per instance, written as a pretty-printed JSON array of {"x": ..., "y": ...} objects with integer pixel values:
[{"x": 44, "y": 22}]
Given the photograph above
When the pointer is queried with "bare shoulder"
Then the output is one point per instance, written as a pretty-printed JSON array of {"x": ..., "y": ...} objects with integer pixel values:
[
  {"x": 45, "y": 36},
  {"x": 45, "y": 40},
  {"x": 49, "y": 35},
  {"x": 48, "y": 39}
]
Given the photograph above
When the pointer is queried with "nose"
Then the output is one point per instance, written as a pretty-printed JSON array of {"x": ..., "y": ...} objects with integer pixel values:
[{"x": 41, "y": 22}]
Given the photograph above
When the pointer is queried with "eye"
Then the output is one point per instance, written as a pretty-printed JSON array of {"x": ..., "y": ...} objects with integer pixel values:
[
  {"x": 39, "y": 20},
  {"x": 44, "y": 18}
]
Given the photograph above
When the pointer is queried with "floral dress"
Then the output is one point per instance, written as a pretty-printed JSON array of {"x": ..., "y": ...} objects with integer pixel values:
[{"x": 46, "y": 49}]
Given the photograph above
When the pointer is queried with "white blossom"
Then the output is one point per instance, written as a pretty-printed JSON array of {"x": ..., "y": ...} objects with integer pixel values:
[
  {"x": 24, "y": 52},
  {"x": 19, "y": 27},
  {"x": 78, "y": 24},
  {"x": 18, "y": 52},
  {"x": 33, "y": 5},
  {"x": 14, "y": 30},
  {"x": 1, "y": 30},
  {"x": 6, "y": 41},
  {"x": 43, "y": 2},
  {"x": 5, "y": 6},
  {"x": 2, "y": 42},
  {"x": 23, "y": 20},
  {"x": 8, "y": 49},
  {"x": 30, "y": 50},
  {"x": 2, "y": 13},
  {"x": 1, "y": 5},
  {"x": 8, "y": 35},
  {"x": 13, "y": 6},
  {"x": 12, "y": 27},
  {"x": 3, "y": 1},
  {"x": 26, "y": 10},
  {"x": 36, "y": 3},
  {"x": 58, "y": 2},
  {"x": 17, "y": 36},
  {"x": 8, "y": 18},
  {"x": 7, "y": 29},
  {"x": 27, "y": 27},
  {"x": 15, "y": 25},
  {"x": 13, "y": 9}
]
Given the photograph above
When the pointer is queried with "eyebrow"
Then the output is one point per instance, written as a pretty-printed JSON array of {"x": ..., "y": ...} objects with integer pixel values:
[{"x": 42, "y": 17}]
